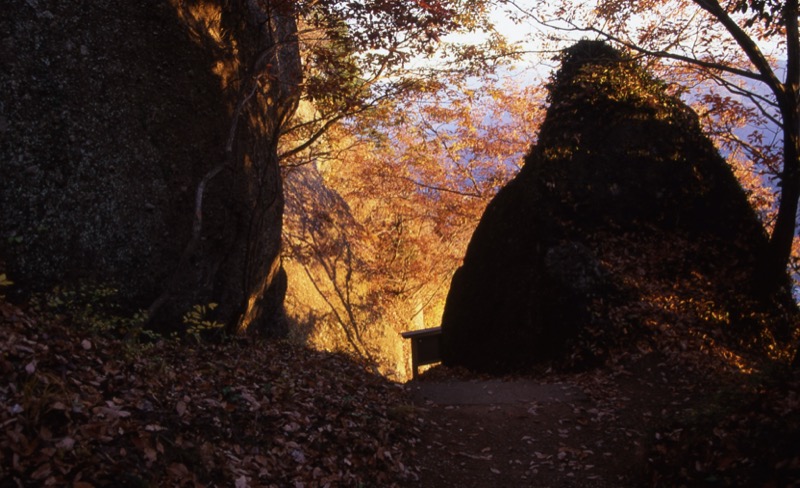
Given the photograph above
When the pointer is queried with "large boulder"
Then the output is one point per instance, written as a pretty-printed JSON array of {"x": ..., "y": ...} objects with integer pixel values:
[
  {"x": 620, "y": 168},
  {"x": 110, "y": 119},
  {"x": 98, "y": 154}
]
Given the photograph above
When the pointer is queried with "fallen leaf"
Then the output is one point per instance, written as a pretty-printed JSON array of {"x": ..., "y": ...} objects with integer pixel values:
[
  {"x": 66, "y": 443},
  {"x": 178, "y": 470},
  {"x": 41, "y": 472}
]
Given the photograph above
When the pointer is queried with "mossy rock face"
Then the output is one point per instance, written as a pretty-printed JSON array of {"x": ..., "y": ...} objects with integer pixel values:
[
  {"x": 615, "y": 156},
  {"x": 110, "y": 117}
]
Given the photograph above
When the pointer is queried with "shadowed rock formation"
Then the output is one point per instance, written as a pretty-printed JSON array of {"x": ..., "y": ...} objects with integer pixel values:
[
  {"x": 110, "y": 119},
  {"x": 622, "y": 191}
]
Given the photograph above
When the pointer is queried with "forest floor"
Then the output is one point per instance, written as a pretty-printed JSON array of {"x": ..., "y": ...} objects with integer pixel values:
[
  {"x": 583, "y": 430},
  {"x": 81, "y": 407}
]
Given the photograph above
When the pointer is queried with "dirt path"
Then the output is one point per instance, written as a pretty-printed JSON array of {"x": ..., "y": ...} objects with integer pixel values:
[{"x": 582, "y": 431}]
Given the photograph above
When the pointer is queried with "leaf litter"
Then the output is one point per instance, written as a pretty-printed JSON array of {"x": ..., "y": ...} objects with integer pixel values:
[
  {"x": 670, "y": 406},
  {"x": 87, "y": 411}
]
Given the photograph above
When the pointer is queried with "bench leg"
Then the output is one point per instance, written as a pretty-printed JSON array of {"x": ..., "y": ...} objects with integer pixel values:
[{"x": 414, "y": 360}]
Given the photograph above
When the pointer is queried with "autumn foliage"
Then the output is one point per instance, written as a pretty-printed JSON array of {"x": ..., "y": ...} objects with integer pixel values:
[{"x": 219, "y": 146}]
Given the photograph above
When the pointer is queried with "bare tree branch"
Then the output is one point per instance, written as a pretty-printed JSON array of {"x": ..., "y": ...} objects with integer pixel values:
[{"x": 432, "y": 187}]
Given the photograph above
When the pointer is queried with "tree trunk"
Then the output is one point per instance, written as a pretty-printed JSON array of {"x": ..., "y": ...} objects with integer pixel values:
[
  {"x": 791, "y": 136},
  {"x": 787, "y": 95},
  {"x": 259, "y": 186},
  {"x": 779, "y": 251},
  {"x": 233, "y": 257}
]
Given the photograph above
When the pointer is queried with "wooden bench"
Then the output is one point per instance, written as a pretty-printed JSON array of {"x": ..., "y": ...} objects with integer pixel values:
[{"x": 426, "y": 347}]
